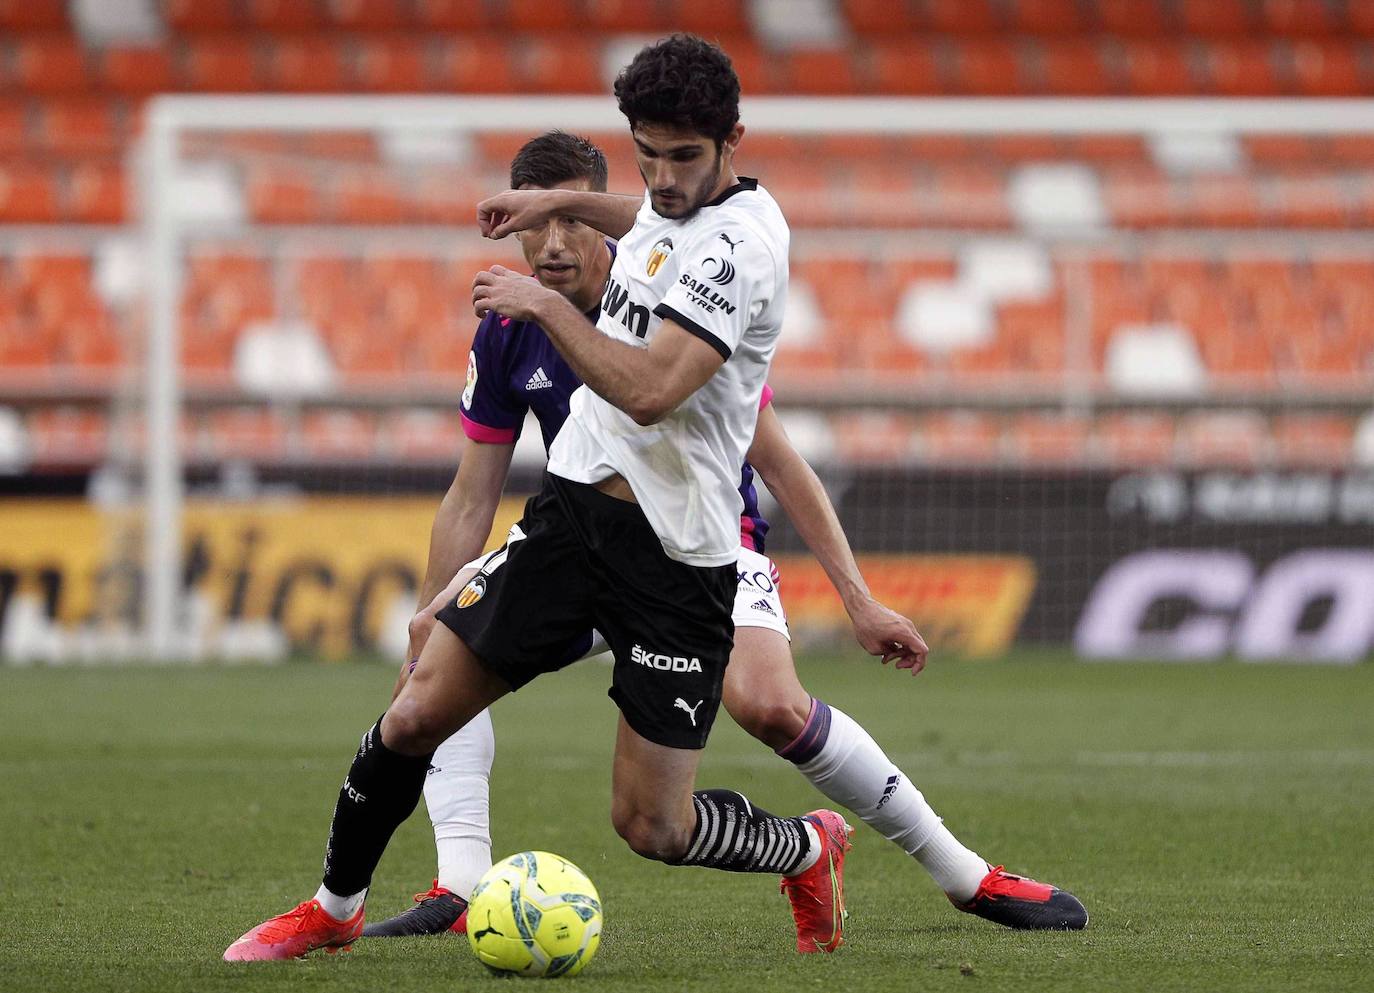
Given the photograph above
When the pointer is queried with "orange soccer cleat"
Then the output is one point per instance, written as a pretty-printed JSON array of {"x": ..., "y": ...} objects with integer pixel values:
[
  {"x": 293, "y": 934},
  {"x": 817, "y": 893}
]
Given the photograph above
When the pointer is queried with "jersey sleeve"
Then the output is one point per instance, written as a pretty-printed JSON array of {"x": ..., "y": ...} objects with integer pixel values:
[
  {"x": 726, "y": 280},
  {"x": 490, "y": 413}
]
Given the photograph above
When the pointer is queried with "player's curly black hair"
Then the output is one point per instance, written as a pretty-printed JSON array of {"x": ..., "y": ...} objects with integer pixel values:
[
  {"x": 682, "y": 80},
  {"x": 558, "y": 157}
]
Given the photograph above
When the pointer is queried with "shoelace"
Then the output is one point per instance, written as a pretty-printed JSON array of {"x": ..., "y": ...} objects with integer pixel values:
[
  {"x": 292, "y": 922},
  {"x": 435, "y": 891}
]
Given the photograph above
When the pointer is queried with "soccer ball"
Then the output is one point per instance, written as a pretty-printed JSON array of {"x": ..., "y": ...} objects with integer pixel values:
[{"x": 534, "y": 914}]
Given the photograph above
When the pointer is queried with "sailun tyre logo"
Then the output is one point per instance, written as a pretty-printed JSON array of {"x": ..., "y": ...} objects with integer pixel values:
[{"x": 725, "y": 271}]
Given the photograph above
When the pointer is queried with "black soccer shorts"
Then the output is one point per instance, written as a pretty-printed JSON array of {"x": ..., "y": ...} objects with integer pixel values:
[{"x": 579, "y": 560}]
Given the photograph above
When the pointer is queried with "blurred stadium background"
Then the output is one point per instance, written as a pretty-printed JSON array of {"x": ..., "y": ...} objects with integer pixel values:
[{"x": 1078, "y": 368}]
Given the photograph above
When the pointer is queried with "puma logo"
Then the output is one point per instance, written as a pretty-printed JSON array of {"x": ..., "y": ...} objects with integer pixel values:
[
  {"x": 478, "y": 936},
  {"x": 727, "y": 241},
  {"x": 681, "y": 704}
]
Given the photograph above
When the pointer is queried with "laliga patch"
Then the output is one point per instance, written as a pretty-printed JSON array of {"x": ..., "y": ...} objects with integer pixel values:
[
  {"x": 659, "y": 255},
  {"x": 471, "y": 384},
  {"x": 472, "y": 592}
]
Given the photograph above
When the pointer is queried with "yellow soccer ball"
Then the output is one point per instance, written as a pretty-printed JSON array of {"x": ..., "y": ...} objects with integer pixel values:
[{"x": 534, "y": 914}]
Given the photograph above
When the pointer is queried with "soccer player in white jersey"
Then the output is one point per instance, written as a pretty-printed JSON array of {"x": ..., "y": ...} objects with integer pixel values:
[
  {"x": 514, "y": 368},
  {"x": 635, "y": 531}
]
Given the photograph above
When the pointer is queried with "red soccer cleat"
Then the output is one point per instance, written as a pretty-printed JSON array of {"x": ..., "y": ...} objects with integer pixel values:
[
  {"x": 1024, "y": 904},
  {"x": 293, "y": 934},
  {"x": 817, "y": 894},
  {"x": 437, "y": 911}
]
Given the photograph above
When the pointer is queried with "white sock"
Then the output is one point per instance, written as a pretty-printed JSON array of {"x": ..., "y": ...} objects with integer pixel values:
[
  {"x": 458, "y": 796},
  {"x": 813, "y": 853},
  {"x": 341, "y": 908},
  {"x": 852, "y": 770}
]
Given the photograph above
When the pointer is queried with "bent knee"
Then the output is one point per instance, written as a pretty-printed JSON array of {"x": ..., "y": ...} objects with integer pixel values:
[
  {"x": 652, "y": 837},
  {"x": 409, "y": 728},
  {"x": 775, "y": 722}
]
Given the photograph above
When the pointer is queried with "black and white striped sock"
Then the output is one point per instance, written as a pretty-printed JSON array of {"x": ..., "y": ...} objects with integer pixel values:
[{"x": 734, "y": 835}]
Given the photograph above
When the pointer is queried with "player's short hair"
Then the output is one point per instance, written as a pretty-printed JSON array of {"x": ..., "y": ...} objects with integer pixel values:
[
  {"x": 684, "y": 81},
  {"x": 558, "y": 157}
]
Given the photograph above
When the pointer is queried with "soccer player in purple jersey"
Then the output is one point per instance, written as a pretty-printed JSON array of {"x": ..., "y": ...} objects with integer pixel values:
[{"x": 514, "y": 368}]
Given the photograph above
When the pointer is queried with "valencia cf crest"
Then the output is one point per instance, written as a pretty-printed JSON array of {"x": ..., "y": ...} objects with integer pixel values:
[
  {"x": 661, "y": 251},
  {"x": 472, "y": 592}
]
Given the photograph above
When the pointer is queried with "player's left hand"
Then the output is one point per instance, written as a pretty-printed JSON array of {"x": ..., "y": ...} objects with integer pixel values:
[
  {"x": 508, "y": 293},
  {"x": 889, "y": 635}
]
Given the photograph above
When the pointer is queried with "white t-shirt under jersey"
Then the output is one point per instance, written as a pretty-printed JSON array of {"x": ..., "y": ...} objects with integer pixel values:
[{"x": 722, "y": 276}]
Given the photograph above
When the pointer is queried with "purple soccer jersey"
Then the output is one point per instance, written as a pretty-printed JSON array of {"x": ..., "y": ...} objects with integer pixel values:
[{"x": 515, "y": 368}]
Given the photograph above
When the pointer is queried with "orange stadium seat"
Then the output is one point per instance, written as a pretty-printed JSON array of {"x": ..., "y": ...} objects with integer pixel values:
[
  {"x": 13, "y": 126},
  {"x": 1324, "y": 68},
  {"x": 904, "y": 66},
  {"x": 1105, "y": 148},
  {"x": 1132, "y": 18},
  {"x": 1224, "y": 201},
  {"x": 1241, "y": 68},
  {"x": 1283, "y": 149},
  {"x": 1047, "y": 16},
  {"x": 1237, "y": 439},
  {"x": 371, "y": 15},
  {"x": 1314, "y": 440},
  {"x": 1297, "y": 17},
  {"x": 142, "y": 69},
  {"x": 560, "y": 65},
  {"x": 879, "y": 17},
  {"x": 991, "y": 67},
  {"x": 540, "y": 15},
  {"x": 962, "y": 16},
  {"x": 875, "y": 437},
  {"x": 1139, "y": 196},
  {"x": 477, "y": 64},
  {"x": 223, "y": 65},
  {"x": 284, "y": 194},
  {"x": 1034, "y": 334},
  {"x": 28, "y": 15},
  {"x": 969, "y": 196},
  {"x": 1216, "y": 17},
  {"x": 78, "y": 126},
  {"x": 97, "y": 193},
  {"x": 423, "y": 435},
  {"x": 28, "y": 195},
  {"x": 1359, "y": 17},
  {"x": 1135, "y": 439},
  {"x": 820, "y": 70},
  {"x": 392, "y": 65},
  {"x": 1306, "y": 197},
  {"x": 1350, "y": 149},
  {"x": 1076, "y": 67},
  {"x": 246, "y": 432},
  {"x": 50, "y": 64},
  {"x": 194, "y": 16},
  {"x": 68, "y": 434},
  {"x": 619, "y": 16},
  {"x": 1158, "y": 68},
  {"x": 716, "y": 19},
  {"x": 305, "y": 65},
  {"x": 372, "y": 197},
  {"x": 753, "y": 66},
  {"x": 286, "y": 15},
  {"x": 24, "y": 346},
  {"x": 452, "y": 15}
]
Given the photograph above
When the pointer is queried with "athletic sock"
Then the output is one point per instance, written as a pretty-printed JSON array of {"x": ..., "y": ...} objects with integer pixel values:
[
  {"x": 341, "y": 908},
  {"x": 380, "y": 791},
  {"x": 843, "y": 761},
  {"x": 458, "y": 795},
  {"x": 734, "y": 835}
]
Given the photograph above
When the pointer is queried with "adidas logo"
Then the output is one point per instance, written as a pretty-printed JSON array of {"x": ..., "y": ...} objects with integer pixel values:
[
  {"x": 539, "y": 381},
  {"x": 763, "y": 606}
]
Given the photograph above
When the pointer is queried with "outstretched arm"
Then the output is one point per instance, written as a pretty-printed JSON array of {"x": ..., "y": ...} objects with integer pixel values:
[
  {"x": 516, "y": 210},
  {"x": 646, "y": 383},
  {"x": 794, "y": 483}
]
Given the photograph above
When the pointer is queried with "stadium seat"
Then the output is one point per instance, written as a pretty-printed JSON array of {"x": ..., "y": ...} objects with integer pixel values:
[
  {"x": 1137, "y": 439},
  {"x": 1240, "y": 68},
  {"x": 961, "y": 16},
  {"x": 137, "y": 70},
  {"x": 1297, "y": 17},
  {"x": 363, "y": 196},
  {"x": 1047, "y": 17},
  {"x": 1132, "y": 18},
  {"x": 560, "y": 65},
  {"x": 960, "y": 438},
  {"x": 1224, "y": 201},
  {"x": 820, "y": 71},
  {"x": 78, "y": 126},
  {"x": 717, "y": 19},
  {"x": 904, "y": 66},
  {"x": 1359, "y": 17},
  {"x": 312, "y": 65},
  {"x": 28, "y": 195},
  {"x": 422, "y": 435},
  {"x": 621, "y": 16},
  {"x": 1076, "y": 67},
  {"x": 331, "y": 435},
  {"x": 68, "y": 435},
  {"x": 97, "y": 193},
  {"x": 539, "y": 16},
  {"x": 879, "y": 18},
  {"x": 1310, "y": 197},
  {"x": 246, "y": 432},
  {"x": 1282, "y": 149},
  {"x": 285, "y": 195},
  {"x": 1223, "y": 439},
  {"x": 28, "y": 15},
  {"x": 193, "y": 16},
  {"x": 1158, "y": 68},
  {"x": 286, "y": 16},
  {"x": 50, "y": 64},
  {"x": 988, "y": 68},
  {"x": 1314, "y": 440},
  {"x": 452, "y": 15},
  {"x": 14, "y": 126},
  {"x": 477, "y": 64},
  {"x": 392, "y": 65},
  {"x": 371, "y": 15},
  {"x": 1323, "y": 68},
  {"x": 1216, "y": 17},
  {"x": 881, "y": 438},
  {"x": 223, "y": 65},
  {"x": 1049, "y": 439}
]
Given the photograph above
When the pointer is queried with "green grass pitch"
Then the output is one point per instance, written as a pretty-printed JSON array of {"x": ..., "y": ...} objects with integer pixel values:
[{"x": 1216, "y": 820}]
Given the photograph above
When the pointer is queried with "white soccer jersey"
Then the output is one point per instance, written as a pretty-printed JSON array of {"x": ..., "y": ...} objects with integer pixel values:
[{"x": 721, "y": 275}]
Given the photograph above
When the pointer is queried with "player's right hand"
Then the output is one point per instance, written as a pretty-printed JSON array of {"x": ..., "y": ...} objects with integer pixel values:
[{"x": 513, "y": 210}]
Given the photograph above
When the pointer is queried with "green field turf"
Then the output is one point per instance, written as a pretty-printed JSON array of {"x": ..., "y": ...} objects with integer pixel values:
[{"x": 1215, "y": 819}]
